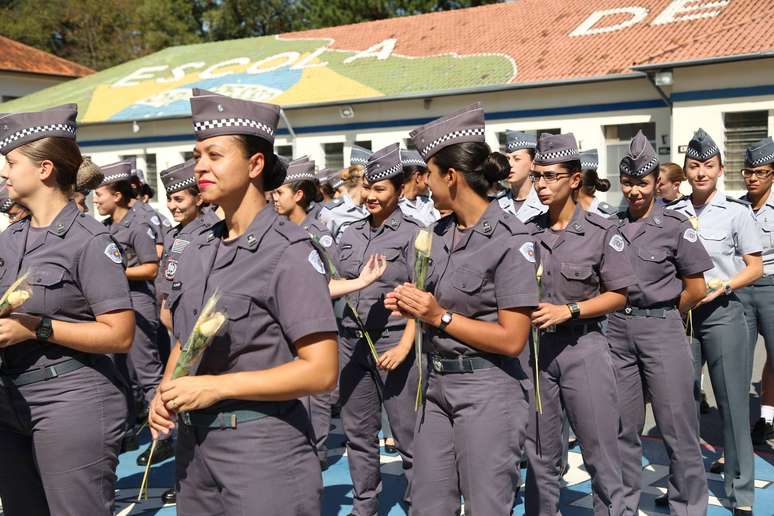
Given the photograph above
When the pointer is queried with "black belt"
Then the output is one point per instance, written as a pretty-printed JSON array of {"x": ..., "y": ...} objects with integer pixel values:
[
  {"x": 42, "y": 374},
  {"x": 461, "y": 364},
  {"x": 201, "y": 419},
  {"x": 765, "y": 281},
  {"x": 576, "y": 330},
  {"x": 660, "y": 313},
  {"x": 375, "y": 334}
]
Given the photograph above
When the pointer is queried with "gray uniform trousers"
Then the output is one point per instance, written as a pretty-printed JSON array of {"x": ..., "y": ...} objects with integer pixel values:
[
  {"x": 720, "y": 339},
  {"x": 577, "y": 373},
  {"x": 468, "y": 442},
  {"x": 654, "y": 353},
  {"x": 265, "y": 467},
  {"x": 758, "y": 301},
  {"x": 361, "y": 409},
  {"x": 319, "y": 408},
  {"x": 59, "y": 443}
]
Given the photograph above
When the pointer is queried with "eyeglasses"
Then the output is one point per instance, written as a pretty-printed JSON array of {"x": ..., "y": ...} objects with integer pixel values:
[
  {"x": 759, "y": 174},
  {"x": 548, "y": 177}
]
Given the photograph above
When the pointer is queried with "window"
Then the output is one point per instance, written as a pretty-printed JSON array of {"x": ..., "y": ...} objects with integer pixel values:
[
  {"x": 334, "y": 155},
  {"x": 409, "y": 144},
  {"x": 617, "y": 138},
  {"x": 150, "y": 172},
  {"x": 285, "y": 151},
  {"x": 366, "y": 144},
  {"x": 742, "y": 129}
]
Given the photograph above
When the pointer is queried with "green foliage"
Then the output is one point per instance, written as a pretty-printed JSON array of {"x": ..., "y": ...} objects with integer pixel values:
[{"x": 104, "y": 33}]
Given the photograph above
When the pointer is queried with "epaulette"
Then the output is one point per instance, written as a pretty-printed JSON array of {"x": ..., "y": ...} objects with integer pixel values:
[
  {"x": 409, "y": 218},
  {"x": 335, "y": 203},
  {"x": 676, "y": 201},
  {"x": 676, "y": 215},
  {"x": 292, "y": 232},
  {"x": 740, "y": 201},
  {"x": 606, "y": 208},
  {"x": 501, "y": 194},
  {"x": 600, "y": 221},
  {"x": 514, "y": 225},
  {"x": 91, "y": 225}
]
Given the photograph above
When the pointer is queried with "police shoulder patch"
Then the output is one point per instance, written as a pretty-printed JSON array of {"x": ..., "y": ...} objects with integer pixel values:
[
  {"x": 112, "y": 252},
  {"x": 617, "y": 243},
  {"x": 690, "y": 235},
  {"x": 527, "y": 250},
  {"x": 326, "y": 241},
  {"x": 314, "y": 259},
  {"x": 151, "y": 234},
  {"x": 155, "y": 220},
  {"x": 166, "y": 223},
  {"x": 171, "y": 269}
]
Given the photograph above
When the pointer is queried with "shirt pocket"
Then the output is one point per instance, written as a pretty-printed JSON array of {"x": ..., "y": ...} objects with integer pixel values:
[
  {"x": 235, "y": 336},
  {"x": 767, "y": 234},
  {"x": 718, "y": 243},
  {"x": 48, "y": 290},
  {"x": 578, "y": 283},
  {"x": 349, "y": 263},
  {"x": 466, "y": 295},
  {"x": 651, "y": 264}
]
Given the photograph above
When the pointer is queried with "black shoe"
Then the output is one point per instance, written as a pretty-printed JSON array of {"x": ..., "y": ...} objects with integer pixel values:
[
  {"x": 390, "y": 449},
  {"x": 523, "y": 464},
  {"x": 323, "y": 464},
  {"x": 566, "y": 469},
  {"x": 762, "y": 432},
  {"x": 743, "y": 512},
  {"x": 704, "y": 407},
  {"x": 164, "y": 450},
  {"x": 129, "y": 442},
  {"x": 717, "y": 467},
  {"x": 662, "y": 501},
  {"x": 169, "y": 496}
]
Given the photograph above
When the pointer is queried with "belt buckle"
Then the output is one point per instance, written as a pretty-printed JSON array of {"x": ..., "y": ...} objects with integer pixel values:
[
  {"x": 628, "y": 310},
  {"x": 359, "y": 334},
  {"x": 386, "y": 333},
  {"x": 185, "y": 417},
  {"x": 50, "y": 372},
  {"x": 466, "y": 365},
  {"x": 437, "y": 364},
  {"x": 550, "y": 329}
]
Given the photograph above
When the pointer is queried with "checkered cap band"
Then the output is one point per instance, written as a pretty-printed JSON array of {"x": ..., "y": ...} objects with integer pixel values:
[
  {"x": 519, "y": 144},
  {"x": 428, "y": 150},
  {"x": 204, "y": 125},
  {"x": 336, "y": 183},
  {"x": 114, "y": 178},
  {"x": 702, "y": 154},
  {"x": 5, "y": 205},
  {"x": 300, "y": 176},
  {"x": 188, "y": 182},
  {"x": 414, "y": 162},
  {"x": 41, "y": 130},
  {"x": 384, "y": 174},
  {"x": 627, "y": 167},
  {"x": 763, "y": 160},
  {"x": 557, "y": 156},
  {"x": 589, "y": 165}
]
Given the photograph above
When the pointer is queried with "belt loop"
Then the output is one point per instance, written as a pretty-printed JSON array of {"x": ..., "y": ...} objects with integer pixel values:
[
  {"x": 233, "y": 420},
  {"x": 51, "y": 372},
  {"x": 186, "y": 418}
]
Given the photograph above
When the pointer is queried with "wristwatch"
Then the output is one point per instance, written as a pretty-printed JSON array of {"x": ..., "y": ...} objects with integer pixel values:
[
  {"x": 45, "y": 330},
  {"x": 574, "y": 310},
  {"x": 445, "y": 320},
  {"x": 727, "y": 290}
]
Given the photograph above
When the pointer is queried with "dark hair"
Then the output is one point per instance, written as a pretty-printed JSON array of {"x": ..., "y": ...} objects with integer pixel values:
[
  {"x": 124, "y": 188},
  {"x": 481, "y": 167},
  {"x": 410, "y": 170},
  {"x": 327, "y": 190},
  {"x": 311, "y": 191},
  {"x": 591, "y": 182},
  {"x": 146, "y": 189},
  {"x": 62, "y": 152},
  {"x": 252, "y": 145}
]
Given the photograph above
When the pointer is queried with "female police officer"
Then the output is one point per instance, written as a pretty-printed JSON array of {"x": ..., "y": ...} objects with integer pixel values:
[
  {"x": 61, "y": 410},
  {"x": 647, "y": 339},
  {"x": 585, "y": 276},
  {"x": 363, "y": 389},
  {"x": 727, "y": 229},
  {"x": 481, "y": 290},
  {"x": 243, "y": 437}
]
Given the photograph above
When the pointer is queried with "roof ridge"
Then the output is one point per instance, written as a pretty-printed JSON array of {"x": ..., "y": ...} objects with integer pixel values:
[{"x": 76, "y": 69}]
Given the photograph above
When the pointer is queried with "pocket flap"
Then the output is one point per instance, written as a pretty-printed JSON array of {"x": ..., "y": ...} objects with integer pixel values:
[
  {"x": 657, "y": 255},
  {"x": 46, "y": 276},
  {"x": 235, "y": 306},
  {"x": 467, "y": 280},
  {"x": 712, "y": 235},
  {"x": 572, "y": 271}
]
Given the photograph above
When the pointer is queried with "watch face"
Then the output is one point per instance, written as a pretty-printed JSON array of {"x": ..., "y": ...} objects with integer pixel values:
[{"x": 446, "y": 318}]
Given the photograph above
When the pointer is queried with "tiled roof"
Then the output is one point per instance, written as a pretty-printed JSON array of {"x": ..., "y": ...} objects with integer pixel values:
[
  {"x": 18, "y": 57},
  {"x": 494, "y": 46}
]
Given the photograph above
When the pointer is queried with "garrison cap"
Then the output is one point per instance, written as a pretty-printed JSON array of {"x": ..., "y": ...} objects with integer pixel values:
[
  {"x": 301, "y": 169},
  {"x": 16, "y": 129},
  {"x": 641, "y": 159},
  {"x": 517, "y": 140},
  {"x": 411, "y": 158},
  {"x": 589, "y": 159},
  {"x": 760, "y": 153},
  {"x": 702, "y": 147},
  {"x": 216, "y": 115},
  {"x": 465, "y": 125},
  {"x": 384, "y": 164},
  {"x": 5, "y": 199},
  {"x": 556, "y": 148},
  {"x": 115, "y": 172},
  {"x": 359, "y": 156},
  {"x": 179, "y": 177}
]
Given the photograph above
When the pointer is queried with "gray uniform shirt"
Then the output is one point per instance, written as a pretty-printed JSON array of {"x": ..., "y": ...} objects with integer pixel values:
[
  {"x": 76, "y": 273},
  {"x": 158, "y": 223},
  {"x": 138, "y": 242},
  {"x": 486, "y": 268},
  {"x": 586, "y": 258},
  {"x": 764, "y": 219},
  {"x": 177, "y": 240},
  {"x": 274, "y": 292},
  {"x": 394, "y": 239},
  {"x": 421, "y": 208},
  {"x": 727, "y": 229},
  {"x": 662, "y": 249},
  {"x": 339, "y": 213},
  {"x": 531, "y": 206}
]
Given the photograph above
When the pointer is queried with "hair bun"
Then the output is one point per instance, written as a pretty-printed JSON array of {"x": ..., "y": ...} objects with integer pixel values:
[
  {"x": 495, "y": 167},
  {"x": 89, "y": 175},
  {"x": 603, "y": 185}
]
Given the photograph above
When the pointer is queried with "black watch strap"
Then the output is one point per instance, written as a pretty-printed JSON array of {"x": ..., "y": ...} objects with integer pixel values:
[
  {"x": 45, "y": 329},
  {"x": 574, "y": 310}
]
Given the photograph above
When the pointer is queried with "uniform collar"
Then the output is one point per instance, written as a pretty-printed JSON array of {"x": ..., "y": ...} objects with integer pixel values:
[
  {"x": 769, "y": 201},
  {"x": 127, "y": 220},
  {"x": 577, "y": 224},
  {"x": 393, "y": 221},
  {"x": 258, "y": 228},
  {"x": 64, "y": 220},
  {"x": 485, "y": 225}
]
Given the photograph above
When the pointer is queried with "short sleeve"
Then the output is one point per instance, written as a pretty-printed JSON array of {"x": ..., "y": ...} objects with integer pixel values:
[
  {"x": 691, "y": 257},
  {"x": 102, "y": 277},
  {"x": 144, "y": 243},
  {"x": 615, "y": 270},
  {"x": 515, "y": 276},
  {"x": 746, "y": 235},
  {"x": 300, "y": 297}
]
